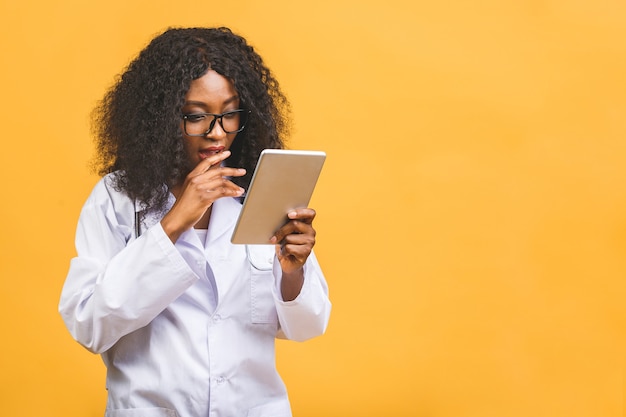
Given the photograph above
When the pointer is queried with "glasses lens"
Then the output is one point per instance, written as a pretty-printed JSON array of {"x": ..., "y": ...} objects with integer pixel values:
[
  {"x": 198, "y": 124},
  {"x": 231, "y": 121}
]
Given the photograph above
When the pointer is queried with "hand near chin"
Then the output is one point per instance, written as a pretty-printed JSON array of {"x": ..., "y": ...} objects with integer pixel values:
[{"x": 206, "y": 183}]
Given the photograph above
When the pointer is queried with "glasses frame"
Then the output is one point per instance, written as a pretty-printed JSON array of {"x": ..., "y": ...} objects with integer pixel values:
[{"x": 217, "y": 118}]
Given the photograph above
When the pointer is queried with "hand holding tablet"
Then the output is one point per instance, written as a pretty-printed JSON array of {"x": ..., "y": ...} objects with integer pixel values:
[{"x": 282, "y": 181}]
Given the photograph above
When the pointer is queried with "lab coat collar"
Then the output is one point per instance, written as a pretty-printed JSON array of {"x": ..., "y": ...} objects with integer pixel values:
[
  {"x": 145, "y": 219},
  {"x": 224, "y": 214}
]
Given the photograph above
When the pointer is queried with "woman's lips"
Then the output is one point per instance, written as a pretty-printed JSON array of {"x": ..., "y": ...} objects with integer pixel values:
[{"x": 214, "y": 150}]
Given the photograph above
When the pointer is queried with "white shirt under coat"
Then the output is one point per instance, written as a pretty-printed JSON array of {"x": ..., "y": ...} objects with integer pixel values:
[{"x": 185, "y": 329}]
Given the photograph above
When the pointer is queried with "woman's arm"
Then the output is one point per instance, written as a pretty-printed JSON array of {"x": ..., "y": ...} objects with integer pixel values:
[
  {"x": 115, "y": 284},
  {"x": 307, "y": 315},
  {"x": 304, "y": 307}
]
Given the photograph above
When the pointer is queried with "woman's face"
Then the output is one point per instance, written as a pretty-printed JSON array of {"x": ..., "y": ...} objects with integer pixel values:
[{"x": 211, "y": 93}]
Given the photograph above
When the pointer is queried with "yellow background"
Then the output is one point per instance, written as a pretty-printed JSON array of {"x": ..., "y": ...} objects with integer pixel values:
[{"x": 472, "y": 211}]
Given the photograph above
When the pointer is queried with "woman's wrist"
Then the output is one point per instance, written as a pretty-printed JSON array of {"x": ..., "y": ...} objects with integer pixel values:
[
  {"x": 171, "y": 229},
  {"x": 291, "y": 284}
]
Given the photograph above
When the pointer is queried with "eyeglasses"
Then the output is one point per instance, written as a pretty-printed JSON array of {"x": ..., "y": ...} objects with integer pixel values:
[{"x": 201, "y": 124}]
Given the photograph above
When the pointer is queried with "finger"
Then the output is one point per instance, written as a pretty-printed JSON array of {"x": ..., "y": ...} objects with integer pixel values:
[
  {"x": 304, "y": 214},
  {"x": 302, "y": 234},
  {"x": 297, "y": 251},
  {"x": 214, "y": 178},
  {"x": 297, "y": 254},
  {"x": 213, "y": 174},
  {"x": 230, "y": 172},
  {"x": 220, "y": 186},
  {"x": 295, "y": 229},
  {"x": 207, "y": 163},
  {"x": 280, "y": 234}
]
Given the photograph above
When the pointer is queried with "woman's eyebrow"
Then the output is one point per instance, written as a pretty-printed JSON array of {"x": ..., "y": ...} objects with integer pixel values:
[{"x": 203, "y": 104}]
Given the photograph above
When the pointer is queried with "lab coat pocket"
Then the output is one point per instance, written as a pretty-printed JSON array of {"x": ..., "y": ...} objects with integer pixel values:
[
  {"x": 274, "y": 409},
  {"x": 263, "y": 308},
  {"x": 142, "y": 412}
]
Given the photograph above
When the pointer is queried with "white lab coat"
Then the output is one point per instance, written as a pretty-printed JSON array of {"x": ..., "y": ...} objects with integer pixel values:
[{"x": 185, "y": 329}]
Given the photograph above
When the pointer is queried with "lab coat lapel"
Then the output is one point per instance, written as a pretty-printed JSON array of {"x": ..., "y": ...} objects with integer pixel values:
[
  {"x": 223, "y": 217},
  {"x": 219, "y": 252}
]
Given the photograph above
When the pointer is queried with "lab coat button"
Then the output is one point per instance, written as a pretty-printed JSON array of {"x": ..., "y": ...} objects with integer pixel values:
[
  {"x": 220, "y": 380},
  {"x": 217, "y": 318}
]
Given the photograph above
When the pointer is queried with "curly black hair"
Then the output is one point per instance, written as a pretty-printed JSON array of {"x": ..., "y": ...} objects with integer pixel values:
[{"x": 137, "y": 123}]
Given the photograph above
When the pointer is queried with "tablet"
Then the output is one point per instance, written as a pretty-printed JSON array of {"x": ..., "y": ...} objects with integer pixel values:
[{"x": 283, "y": 180}]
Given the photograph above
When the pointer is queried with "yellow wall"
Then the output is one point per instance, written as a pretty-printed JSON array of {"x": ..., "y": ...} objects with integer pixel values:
[{"x": 472, "y": 212}]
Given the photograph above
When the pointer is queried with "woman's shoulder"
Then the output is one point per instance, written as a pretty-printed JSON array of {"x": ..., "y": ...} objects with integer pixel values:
[
  {"x": 107, "y": 191},
  {"x": 109, "y": 206}
]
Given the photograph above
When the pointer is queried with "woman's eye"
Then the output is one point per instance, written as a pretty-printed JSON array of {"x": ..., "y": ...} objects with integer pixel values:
[
  {"x": 231, "y": 115},
  {"x": 195, "y": 117}
]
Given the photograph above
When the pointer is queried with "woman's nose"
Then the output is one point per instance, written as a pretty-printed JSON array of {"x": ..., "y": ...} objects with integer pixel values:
[{"x": 217, "y": 132}]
